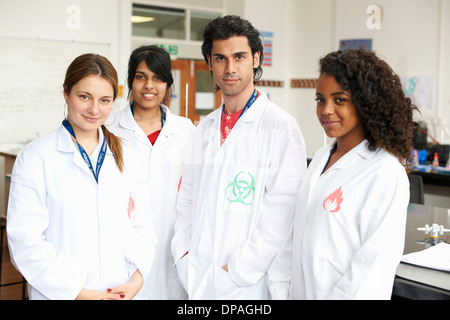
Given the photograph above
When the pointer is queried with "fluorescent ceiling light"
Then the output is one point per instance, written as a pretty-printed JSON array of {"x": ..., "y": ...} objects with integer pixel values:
[{"x": 140, "y": 19}]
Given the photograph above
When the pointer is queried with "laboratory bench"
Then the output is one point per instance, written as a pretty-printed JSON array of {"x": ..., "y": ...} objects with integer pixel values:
[
  {"x": 9, "y": 152},
  {"x": 441, "y": 178},
  {"x": 12, "y": 284},
  {"x": 415, "y": 282},
  {"x": 436, "y": 185}
]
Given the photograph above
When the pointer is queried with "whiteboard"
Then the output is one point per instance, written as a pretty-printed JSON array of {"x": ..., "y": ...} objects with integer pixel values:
[{"x": 32, "y": 73}]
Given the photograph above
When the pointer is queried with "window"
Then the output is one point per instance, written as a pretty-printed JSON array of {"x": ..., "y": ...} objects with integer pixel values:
[
  {"x": 158, "y": 22},
  {"x": 199, "y": 20},
  {"x": 171, "y": 23}
]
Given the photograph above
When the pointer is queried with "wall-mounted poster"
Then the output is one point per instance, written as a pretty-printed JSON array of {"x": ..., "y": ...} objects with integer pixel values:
[
  {"x": 267, "y": 43},
  {"x": 365, "y": 44},
  {"x": 420, "y": 90}
]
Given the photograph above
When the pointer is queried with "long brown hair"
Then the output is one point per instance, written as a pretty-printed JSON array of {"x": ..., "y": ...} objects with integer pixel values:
[{"x": 94, "y": 64}]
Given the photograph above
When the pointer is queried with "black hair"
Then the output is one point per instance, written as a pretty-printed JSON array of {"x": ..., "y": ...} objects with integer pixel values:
[
  {"x": 223, "y": 28},
  {"x": 157, "y": 60}
]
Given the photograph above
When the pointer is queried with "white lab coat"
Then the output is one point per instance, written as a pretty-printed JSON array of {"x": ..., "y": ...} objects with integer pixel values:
[
  {"x": 160, "y": 165},
  {"x": 65, "y": 232},
  {"x": 349, "y": 229},
  {"x": 236, "y": 202}
]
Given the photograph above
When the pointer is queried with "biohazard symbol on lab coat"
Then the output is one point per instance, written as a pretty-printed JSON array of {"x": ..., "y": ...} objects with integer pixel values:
[{"x": 242, "y": 189}]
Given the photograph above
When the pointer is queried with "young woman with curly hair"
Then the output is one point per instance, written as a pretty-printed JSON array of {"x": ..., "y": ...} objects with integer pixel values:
[
  {"x": 349, "y": 229},
  {"x": 386, "y": 113}
]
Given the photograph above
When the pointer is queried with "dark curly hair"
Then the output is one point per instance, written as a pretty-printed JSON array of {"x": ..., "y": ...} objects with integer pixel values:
[
  {"x": 386, "y": 112},
  {"x": 223, "y": 28}
]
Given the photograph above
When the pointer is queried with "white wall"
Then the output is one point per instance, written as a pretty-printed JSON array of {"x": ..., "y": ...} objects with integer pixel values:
[
  {"x": 44, "y": 33},
  {"x": 408, "y": 39},
  {"x": 269, "y": 16},
  {"x": 311, "y": 36},
  {"x": 100, "y": 21}
]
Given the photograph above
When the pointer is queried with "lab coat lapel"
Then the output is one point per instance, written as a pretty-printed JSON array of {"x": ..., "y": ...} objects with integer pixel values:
[
  {"x": 314, "y": 173},
  {"x": 349, "y": 159},
  {"x": 66, "y": 144},
  {"x": 211, "y": 135},
  {"x": 246, "y": 121},
  {"x": 317, "y": 168},
  {"x": 126, "y": 119},
  {"x": 170, "y": 128},
  {"x": 127, "y": 122}
]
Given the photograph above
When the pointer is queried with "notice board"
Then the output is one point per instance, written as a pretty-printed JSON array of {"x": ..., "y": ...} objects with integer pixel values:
[{"x": 32, "y": 73}]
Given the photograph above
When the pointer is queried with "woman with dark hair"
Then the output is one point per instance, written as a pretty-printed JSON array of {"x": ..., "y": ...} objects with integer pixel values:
[
  {"x": 350, "y": 219},
  {"x": 74, "y": 229},
  {"x": 157, "y": 140},
  {"x": 385, "y": 112}
]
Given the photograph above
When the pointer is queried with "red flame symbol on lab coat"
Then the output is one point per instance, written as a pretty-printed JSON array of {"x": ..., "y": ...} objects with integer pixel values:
[
  {"x": 130, "y": 207},
  {"x": 333, "y": 202}
]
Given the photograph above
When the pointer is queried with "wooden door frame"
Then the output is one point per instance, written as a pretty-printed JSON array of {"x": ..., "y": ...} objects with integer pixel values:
[{"x": 188, "y": 70}]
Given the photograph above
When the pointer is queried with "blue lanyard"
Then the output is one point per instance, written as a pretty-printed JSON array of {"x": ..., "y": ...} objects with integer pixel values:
[
  {"x": 163, "y": 118},
  {"x": 248, "y": 104},
  {"x": 163, "y": 114},
  {"x": 84, "y": 154},
  {"x": 329, "y": 157}
]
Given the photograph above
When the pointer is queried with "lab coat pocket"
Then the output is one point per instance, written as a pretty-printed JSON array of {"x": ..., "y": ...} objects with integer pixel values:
[{"x": 224, "y": 287}]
